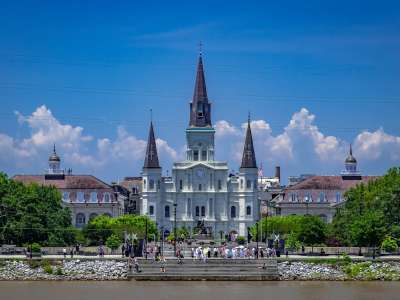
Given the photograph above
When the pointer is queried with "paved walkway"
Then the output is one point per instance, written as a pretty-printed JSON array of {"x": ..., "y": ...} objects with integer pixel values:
[{"x": 283, "y": 257}]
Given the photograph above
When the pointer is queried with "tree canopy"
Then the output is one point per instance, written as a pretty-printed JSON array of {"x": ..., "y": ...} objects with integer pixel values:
[
  {"x": 371, "y": 212},
  {"x": 33, "y": 213}
]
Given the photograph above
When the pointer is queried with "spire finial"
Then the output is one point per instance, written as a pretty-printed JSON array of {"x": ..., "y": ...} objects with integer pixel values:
[
  {"x": 200, "y": 48},
  {"x": 351, "y": 150},
  {"x": 54, "y": 147},
  {"x": 248, "y": 118},
  {"x": 151, "y": 115}
]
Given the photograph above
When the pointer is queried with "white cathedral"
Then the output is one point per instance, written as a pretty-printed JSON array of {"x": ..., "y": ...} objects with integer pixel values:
[{"x": 200, "y": 188}]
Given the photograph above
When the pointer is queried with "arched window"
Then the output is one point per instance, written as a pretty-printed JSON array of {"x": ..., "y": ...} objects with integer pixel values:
[
  {"x": 241, "y": 183},
  {"x": 106, "y": 197},
  {"x": 200, "y": 187},
  {"x": 307, "y": 197},
  {"x": 293, "y": 197},
  {"x": 151, "y": 185},
  {"x": 204, "y": 155},
  {"x": 322, "y": 197},
  {"x": 80, "y": 196},
  {"x": 92, "y": 216},
  {"x": 338, "y": 197},
  {"x": 180, "y": 184},
  {"x": 166, "y": 211},
  {"x": 248, "y": 210},
  {"x": 80, "y": 220},
  {"x": 248, "y": 184},
  {"x": 134, "y": 205},
  {"x": 65, "y": 196},
  {"x": 151, "y": 210},
  {"x": 197, "y": 211},
  {"x": 203, "y": 211},
  {"x": 93, "y": 197},
  {"x": 219, "y": 184},
  {"x": 233, "y": 211}
]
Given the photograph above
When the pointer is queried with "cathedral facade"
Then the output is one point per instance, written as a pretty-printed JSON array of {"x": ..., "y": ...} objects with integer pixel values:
[{"x": 200, "y": 189}]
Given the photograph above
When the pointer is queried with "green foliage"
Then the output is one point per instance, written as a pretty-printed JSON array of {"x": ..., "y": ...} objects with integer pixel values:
[
  {"x": 113, "y": 241},
  {"x": 371, "y": 211},
  {"x": 98, "y": 230},
  {"x": 346, "y": 258},
  {"x": 292, "y": 241},
  {"x": 389, "y": 244},
  {"x": 241, "y": 240},
  {"x": 35, "y": 248},
  {"x": 48, "y": 269},
  {"x": 32, "y": 213},
  {"x": 59, "y": 271},
  {"x": 101, "y": 228},
  {"x": 310, "y": 230}
]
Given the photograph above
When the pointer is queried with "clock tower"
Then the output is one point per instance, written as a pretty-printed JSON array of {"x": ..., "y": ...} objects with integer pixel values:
[{"x": 200, "y": 133}]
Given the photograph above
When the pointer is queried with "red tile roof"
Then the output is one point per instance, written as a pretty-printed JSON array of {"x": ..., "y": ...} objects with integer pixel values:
[
  {"x": 329, "y": 183},
  {"x": 69, "y": 182}
]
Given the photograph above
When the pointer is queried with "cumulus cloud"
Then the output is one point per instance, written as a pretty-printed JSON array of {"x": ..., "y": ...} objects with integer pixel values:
[
  {"x": 77, "y": 148},
  {"x": 303, "y": 147},
  {"x": 300, "y": 147}
]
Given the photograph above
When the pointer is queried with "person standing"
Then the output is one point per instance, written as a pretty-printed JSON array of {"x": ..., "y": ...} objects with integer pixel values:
[
  {"x": 65, "y": 252},
  {"x": 71, "y": 252},
  {"x": 123, "y": 250}
]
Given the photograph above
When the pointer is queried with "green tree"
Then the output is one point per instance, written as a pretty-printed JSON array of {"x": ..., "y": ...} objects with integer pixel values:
[
  {"x": 32, "y": 213},
  {"x": 368, "y": 229},
  {"x": 98, "y": 230},
  {"x": 312, "y": 231},
  {"x": 380, "y": 196},
  {"x": 113, "y": 242}
]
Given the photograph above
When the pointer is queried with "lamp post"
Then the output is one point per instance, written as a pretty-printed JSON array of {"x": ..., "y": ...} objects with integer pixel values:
[
  {"x": 162, "y": 240},
  {"x": 175, "y": 228},
  {"x": 257, "y": 239},
  {"x": 145, "y": 238}
]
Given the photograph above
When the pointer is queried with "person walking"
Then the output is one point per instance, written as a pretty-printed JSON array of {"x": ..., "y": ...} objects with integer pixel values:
[
  {"x": 136, "y": 265},
  {"x": 65, "y": 252},
  {"x": 71, "y": 252},
  {"x": 162, "y": 265}
]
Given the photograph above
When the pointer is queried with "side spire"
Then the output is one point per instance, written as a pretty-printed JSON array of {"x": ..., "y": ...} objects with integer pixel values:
[
  {"x": 200, "y": 108},
  {"x": 249, "y": 157},
  {"x": 151, "y": 159}
]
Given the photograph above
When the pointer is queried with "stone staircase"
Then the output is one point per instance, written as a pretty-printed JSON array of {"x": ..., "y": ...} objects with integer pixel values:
[{"x": 212, "y": 269}]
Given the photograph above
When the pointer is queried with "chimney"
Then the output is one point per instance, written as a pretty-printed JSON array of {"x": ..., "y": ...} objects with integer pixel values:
[{"x": 278, "y": 173}]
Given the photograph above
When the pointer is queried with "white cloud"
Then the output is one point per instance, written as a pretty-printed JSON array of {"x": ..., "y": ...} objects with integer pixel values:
[
  {"x": 299, "y": 147},
  {"x": 76, "y": 148},
  {"x": 377, "y": 144}
]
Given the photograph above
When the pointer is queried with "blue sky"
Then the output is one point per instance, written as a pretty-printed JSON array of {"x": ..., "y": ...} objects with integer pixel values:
[{"x": 316, "y": 76}]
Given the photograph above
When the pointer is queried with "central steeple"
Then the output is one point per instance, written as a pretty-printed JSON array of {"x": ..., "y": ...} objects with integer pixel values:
[{"x": 200, "y": 108}]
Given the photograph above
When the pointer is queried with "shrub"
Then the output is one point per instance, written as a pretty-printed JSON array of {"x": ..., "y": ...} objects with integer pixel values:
[
  {"x": 346, "y": 259},
  {"x": 59, "y": 271},
  {"x": 113, "y": 241},
  {"x": 389, "y": 244},
  {"x": 36, "y": 248},
  {"x": 241, "y": 240},
  {"x": 48, "y": 269}
]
